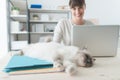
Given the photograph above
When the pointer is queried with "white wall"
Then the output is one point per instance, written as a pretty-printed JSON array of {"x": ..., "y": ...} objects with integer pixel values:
[
  {"x": 106, "y": 11},
  {"x": 3, "y": 29}
]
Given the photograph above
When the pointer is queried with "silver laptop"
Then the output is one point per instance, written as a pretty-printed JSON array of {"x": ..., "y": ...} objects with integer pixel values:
[{"x": 100, "y": 40}]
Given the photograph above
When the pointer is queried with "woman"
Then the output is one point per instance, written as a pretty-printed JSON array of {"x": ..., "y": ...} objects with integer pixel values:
[{"x": 62, "y": 31}]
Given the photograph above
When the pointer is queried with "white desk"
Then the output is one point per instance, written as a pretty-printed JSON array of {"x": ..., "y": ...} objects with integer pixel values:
[{"x": 104, "y": 69}]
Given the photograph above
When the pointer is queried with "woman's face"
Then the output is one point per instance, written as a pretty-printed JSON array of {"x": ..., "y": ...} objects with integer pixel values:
[{"x": 78, "y": 12}]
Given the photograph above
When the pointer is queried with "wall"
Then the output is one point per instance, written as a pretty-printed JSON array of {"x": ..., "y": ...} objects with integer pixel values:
[
  {"x": 106, "y": 11},
  {"x": 3, "y": 29}
]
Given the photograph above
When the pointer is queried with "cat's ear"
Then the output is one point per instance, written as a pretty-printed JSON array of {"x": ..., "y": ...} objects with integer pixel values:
[
  {"x": 85, "y": 51},
  {"x": 84, "y": 47}
]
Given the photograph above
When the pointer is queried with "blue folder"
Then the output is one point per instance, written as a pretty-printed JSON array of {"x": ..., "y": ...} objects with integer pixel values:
[
  {"x": 36, "y": 6},
  {"x": 17, "y": 63}
]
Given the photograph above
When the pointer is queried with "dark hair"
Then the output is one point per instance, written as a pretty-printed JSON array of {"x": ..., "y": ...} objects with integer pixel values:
[{"x": 73, "y": 3}]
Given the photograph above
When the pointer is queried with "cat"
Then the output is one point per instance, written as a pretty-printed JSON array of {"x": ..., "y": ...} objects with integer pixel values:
[{"x": 67, "y": 58}]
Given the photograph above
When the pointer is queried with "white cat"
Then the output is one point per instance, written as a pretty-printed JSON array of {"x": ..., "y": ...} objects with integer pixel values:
[{"x": 67, "y": 58}]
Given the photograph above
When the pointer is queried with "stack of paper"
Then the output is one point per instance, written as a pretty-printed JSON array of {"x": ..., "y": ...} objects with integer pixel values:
[{"x": 28, "y": 65}]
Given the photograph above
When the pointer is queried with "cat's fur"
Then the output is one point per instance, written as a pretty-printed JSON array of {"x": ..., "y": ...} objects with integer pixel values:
[{"x": 67, "y": 58}]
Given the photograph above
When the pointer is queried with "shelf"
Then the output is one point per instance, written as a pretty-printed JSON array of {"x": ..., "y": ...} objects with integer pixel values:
[
  {"x": 18, "y": 24},
  {"x": 39, "y": 21},
  {"x": 24, "y": 32},
  {"x": 42, "y": 32},
  {"x": 20, "y": 4},
  {"x": 32, "y": 32},
  {"x": 48, "y": 11},
  {"x": 21, "y": 18}
]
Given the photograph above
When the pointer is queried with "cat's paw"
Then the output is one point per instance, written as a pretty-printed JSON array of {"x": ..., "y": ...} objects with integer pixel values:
[
  {"x": 71, "y": 70},
  {"x": 59, "y": 65}
]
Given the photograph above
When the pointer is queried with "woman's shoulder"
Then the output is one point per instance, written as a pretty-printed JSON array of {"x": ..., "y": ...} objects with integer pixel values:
[
  {"x": 64, "y": 23},
  {"x": 64, "y": 20}
]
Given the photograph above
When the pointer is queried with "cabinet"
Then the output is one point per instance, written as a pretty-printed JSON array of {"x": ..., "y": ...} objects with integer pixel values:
[
  {"x": 18, "y": 29},
  {"x": 45, "y": 23}
]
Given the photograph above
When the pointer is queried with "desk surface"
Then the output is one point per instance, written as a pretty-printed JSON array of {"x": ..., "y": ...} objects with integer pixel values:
[{"x": 104, "y": 69}]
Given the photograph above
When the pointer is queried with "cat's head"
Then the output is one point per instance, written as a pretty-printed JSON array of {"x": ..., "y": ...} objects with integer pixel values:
[
  {"x": 84, "y": 58},
  {"x": 88, "y": 60}
]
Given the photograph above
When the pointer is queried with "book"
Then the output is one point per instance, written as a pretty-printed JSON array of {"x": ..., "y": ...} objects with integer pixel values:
[
  {"x": 36, "y": 71},
  {"x": 27, "y": 65}
]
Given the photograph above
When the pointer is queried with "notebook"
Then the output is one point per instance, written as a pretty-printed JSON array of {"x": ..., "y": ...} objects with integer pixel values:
[
  {"x": 18, "y": 63},
  {"x": 100, "y": 40}
]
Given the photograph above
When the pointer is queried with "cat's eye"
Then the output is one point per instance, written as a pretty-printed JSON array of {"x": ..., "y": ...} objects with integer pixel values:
[{"x": 94, "y": 59}]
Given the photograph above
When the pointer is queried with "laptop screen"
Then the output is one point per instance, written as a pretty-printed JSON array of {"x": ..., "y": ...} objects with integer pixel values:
[{"x": 100, "y": 40}]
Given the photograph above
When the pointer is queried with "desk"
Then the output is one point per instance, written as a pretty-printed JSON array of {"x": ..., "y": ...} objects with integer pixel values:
[{"x": 104, "y": 69}]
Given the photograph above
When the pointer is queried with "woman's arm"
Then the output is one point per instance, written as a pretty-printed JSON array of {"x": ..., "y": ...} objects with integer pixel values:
[{"x": 58, "y": 34}]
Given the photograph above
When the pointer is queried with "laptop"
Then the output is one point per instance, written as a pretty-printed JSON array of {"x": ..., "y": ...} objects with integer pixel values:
[{"x": 100, "y": 40}]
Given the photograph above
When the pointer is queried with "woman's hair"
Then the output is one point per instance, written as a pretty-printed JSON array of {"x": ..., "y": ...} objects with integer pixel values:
[{"x": 73, "y": 3}]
